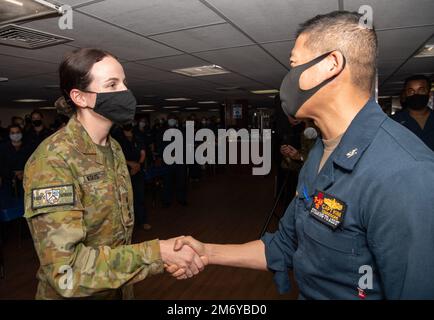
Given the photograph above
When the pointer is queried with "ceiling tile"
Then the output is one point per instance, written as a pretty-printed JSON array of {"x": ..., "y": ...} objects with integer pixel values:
[
  {"x": 88, "y": 32},
  {"x": 401, "y": 43},
  {"x": 14, "y": 68},
  {"x": 266, "y": 20},
  {"x": 280, "y": 50},
  {"x": 204, "y": 38},
  {"x": 250, "y": 61},
  {"x": 396, "y": 13},
  {"x": 49, "y": 54},
  {"x": 176, "y": 62},
  {"x": 154, "y": 16}
]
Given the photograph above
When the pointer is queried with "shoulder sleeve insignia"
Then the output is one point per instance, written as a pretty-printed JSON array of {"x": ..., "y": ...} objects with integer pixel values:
[{"x": 53, "y": 196}]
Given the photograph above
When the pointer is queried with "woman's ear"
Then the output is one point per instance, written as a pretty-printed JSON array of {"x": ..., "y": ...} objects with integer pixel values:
[{"x": 78, "y": 98}]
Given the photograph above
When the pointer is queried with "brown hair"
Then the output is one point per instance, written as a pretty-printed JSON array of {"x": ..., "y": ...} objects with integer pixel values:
[{"x": 341, "y": 30}]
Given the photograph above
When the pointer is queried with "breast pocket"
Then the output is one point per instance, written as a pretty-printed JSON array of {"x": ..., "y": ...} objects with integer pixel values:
[
  {"x": 329, "y": 254},
  {"x": 98, "y": 200}
]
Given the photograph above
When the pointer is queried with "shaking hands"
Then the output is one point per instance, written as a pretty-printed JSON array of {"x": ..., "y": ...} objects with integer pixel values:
[{"x": 183, "y": 257}]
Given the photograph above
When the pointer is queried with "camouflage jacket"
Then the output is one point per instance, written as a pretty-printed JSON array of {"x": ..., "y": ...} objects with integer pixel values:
[{"x": 80, "y": 214}]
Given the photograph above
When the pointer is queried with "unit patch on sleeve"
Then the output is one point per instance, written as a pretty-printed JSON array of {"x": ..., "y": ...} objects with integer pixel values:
[{"x": 53, "y": 196}]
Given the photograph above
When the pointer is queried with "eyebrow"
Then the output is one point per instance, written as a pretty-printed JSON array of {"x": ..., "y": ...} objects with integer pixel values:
[
  {"x": 115, "y": 79},
  {"x": 111, "y": 79}
]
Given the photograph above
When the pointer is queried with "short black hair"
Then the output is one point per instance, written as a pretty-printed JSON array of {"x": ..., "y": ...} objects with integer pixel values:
[
  {"x": 343, "y": 31},
  {"x": 419, "y": 77},
  {"x": 16, "y": 118},
  {"x": 15, "y": 126},
  {"x": 36, "y": 112}
]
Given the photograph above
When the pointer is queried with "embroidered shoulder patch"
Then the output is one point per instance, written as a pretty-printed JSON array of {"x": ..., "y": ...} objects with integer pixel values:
[{"x": 53, "y": 196}]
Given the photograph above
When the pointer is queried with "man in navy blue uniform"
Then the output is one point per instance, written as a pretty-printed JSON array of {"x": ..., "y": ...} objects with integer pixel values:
[
  {"x": 362, "y": 223},
  {"x": 416, "y": 115}
]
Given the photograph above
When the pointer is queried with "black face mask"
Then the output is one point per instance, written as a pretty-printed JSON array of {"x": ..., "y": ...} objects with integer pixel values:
[
  {"x": 416, "y": 101},
  {"x": 119, "y": 107},
  {"x": 37, "y": 123},
  {"x": 128, "y": 127},
  {"x": 291, "y": 95}
]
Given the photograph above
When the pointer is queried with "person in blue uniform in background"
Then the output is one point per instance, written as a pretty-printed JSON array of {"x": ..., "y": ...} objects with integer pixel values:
[
  {"x": 361, "y": 225},
  {"x": 416, "y": 115}
]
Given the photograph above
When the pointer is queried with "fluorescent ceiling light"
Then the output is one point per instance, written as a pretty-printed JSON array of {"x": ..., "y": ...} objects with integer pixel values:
[
  {"x": 201, "y": 71},
  {"x": 144, "y": 105},
  {"x": 3, "y": 79},
  {"x": 426, "y": 51},
  {"x": 47, "y": 108},
  {"x": 20, "y": 4},
  {"x": 21, "y": 10},
  {"x": 29, "y": 100},
  {"x": 177, "y": 99},
  {"x": 265, "y": 91},
  {"x": 147, "y": 110},
  {"x": 171, "y": 107},
  {"x": 192, "y": 108},
  {"x": 207, "y": 102},
  {"x": 214, "y": 110}
]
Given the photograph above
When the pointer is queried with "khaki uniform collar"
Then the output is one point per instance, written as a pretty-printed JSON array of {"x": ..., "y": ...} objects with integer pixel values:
[{"x": 83, "y": 143}]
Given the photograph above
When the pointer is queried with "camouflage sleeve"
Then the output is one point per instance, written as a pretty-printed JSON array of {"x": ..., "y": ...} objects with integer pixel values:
[{"x": 72, "y": 268}]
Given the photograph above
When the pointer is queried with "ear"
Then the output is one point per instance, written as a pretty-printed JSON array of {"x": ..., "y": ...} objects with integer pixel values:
[
  {"x": 78, "y": 98},
  {"x": 336, "y": 62}
]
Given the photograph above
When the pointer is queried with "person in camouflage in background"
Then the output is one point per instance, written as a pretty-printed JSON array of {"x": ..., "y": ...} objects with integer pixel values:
[{"x": 78, "y": 194}]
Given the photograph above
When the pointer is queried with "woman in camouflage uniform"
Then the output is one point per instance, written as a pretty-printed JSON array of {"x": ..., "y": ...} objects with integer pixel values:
[{"x": 78, "y": 195}]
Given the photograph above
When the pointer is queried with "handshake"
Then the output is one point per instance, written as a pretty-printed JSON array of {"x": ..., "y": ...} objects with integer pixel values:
[{"x": 183, "y": 257}]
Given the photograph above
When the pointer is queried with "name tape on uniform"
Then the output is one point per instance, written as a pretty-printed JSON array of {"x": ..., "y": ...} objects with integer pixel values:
[{"x": 328, "y": 209}]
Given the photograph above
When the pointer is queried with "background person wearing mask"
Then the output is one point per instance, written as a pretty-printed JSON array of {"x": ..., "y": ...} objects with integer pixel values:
[
  {"x": 37, "y": 132},
  {"x": 144, "y": 134},
  {"x": 135, "y": 155},
  {"x": 416, "y": 115},
  {"x": 13, "y": 157},
  {"x": 175, "y": 177},
  {"x": 291, "y": 162}
]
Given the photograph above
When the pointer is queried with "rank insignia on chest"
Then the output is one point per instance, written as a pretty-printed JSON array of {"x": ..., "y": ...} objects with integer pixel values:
[{"x": 328, "y": 209}]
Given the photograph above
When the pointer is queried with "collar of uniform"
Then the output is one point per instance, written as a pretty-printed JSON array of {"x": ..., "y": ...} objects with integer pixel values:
[
  {"x": 82, "y": 140},
  {"x": 359, "y": 135}
]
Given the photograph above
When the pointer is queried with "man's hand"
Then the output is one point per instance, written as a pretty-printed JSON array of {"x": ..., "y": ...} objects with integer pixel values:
[
  {"x": 187, "y": 242},
  {"x": 180, "y": 259},
  {"x": 135, "y": 167},
  {"x": 290, "y": 152},
  {"x": 19, "y": 175}
]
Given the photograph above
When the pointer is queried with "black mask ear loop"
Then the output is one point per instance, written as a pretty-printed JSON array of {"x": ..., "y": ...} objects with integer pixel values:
[{"x": 325, "y": 82}]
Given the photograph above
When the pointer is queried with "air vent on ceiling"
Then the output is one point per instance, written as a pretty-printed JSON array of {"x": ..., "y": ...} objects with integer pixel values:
[{"x": 22, "y": 37}]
